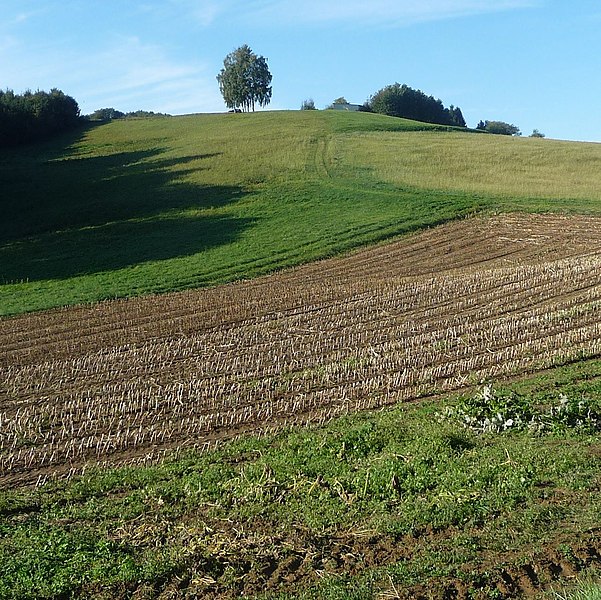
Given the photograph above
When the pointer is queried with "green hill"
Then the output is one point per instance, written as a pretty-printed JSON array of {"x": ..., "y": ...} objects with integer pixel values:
[{"x": 154, "y": 205}]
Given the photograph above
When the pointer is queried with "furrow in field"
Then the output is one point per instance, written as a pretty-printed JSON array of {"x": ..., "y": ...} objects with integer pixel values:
[{"x": 128, "y": 380}]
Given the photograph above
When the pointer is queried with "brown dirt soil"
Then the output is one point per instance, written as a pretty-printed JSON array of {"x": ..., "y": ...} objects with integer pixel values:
[
  {"x": 127, "y": 381},
  {"x": 246, "y": 563}
]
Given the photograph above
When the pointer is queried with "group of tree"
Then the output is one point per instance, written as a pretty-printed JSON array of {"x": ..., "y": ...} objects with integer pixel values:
[
  {"x": 245, "y": 80},
  {"x": 398, "y": 100},
  {"x": 498, "y": 128},
  {"x": 33, "y": 116},
  {"x": 308, "y": 104},
  {"x": 108, "y": 114}
]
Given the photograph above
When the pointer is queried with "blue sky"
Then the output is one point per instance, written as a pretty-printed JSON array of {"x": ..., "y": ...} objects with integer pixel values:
[{"x": 533, "y": 63}]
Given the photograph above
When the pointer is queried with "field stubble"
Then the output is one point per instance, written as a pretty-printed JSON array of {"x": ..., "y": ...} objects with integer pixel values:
[{"x": 127, "y": 381}]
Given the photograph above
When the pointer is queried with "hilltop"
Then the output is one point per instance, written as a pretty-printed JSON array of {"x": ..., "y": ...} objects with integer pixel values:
[{"x": 154, "y": 205}]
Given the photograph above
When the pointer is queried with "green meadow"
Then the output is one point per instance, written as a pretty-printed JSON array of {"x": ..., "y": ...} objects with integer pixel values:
[{"x": 142, "y": 206}]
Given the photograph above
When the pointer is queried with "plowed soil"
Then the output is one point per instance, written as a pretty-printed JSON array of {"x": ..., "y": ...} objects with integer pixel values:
[
  {"x": 262, "y": 565},
  {"x": 128, "y": 380}
]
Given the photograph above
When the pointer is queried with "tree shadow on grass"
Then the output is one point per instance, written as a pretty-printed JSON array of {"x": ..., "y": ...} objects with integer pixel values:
[
  {"x": 66, "y": 215},
  {"x": 114, "y": 246}
]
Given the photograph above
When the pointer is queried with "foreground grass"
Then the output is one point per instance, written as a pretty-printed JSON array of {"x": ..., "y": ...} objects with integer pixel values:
[
  {"x": 584, "y": 590},
  {"x": 442, "y": 502},
  {"x": 148, "y": 206}
]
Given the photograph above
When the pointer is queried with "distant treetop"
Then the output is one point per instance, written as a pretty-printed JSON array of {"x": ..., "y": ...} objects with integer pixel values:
[
  {"x": 399, "y": 100},
  {"x": 499, "y": 128},
  {"x": 308, "y": 104},
  {"x": 108, "y": 114}
]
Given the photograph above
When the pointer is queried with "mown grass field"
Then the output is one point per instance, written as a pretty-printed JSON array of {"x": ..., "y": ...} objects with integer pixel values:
[
  {"x": 491, "y": 491},
  {"x": 156, "y": 205}
]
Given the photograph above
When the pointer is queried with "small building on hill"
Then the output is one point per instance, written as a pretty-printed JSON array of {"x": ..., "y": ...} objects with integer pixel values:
[{"x": 345, "y": 106}]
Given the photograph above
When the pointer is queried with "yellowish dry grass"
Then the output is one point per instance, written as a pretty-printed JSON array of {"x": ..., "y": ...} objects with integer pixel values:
[{"x": 497, "y": 165}]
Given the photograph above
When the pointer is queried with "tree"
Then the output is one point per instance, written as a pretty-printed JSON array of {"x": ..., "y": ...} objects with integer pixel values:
[
  {"x": 245, "y": 80},
  {"x": 33, "y": 116},
  {"x": 106, "y": 114},
  {"x": 308, "y": 104},
  {"x": 500, "y": 128},
  {"x": 537, "y": 134},
  {"x": 402, "y": 101},
  {"x": 456, "y": 116}
]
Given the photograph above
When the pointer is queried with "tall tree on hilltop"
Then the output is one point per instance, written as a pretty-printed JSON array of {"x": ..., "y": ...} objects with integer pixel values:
[{"x": 245, "y": 80}]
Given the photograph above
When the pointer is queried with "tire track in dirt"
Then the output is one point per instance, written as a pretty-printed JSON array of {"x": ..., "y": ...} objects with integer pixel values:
[{"x": 264, "y": 561}]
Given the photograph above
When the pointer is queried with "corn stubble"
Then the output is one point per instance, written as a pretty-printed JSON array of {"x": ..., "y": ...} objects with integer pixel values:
[{"x": 127, "y": 381}]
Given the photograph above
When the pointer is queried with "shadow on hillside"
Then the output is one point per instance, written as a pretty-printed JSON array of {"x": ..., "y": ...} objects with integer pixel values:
[{"x": 67, "y": 214}]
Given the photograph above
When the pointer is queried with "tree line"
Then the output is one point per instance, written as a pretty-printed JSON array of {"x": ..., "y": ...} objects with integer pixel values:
[
  {"x": 34, "y": 116},
  {"x": 398, "y": 100},
  {"x": 109, "y": 114},
  {"x": 244, "y": 82}
]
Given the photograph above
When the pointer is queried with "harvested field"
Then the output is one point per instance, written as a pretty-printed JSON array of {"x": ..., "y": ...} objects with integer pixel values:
[{"x": 129, "y": 380}]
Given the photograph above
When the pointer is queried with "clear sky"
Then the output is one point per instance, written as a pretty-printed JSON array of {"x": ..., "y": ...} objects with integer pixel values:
[{"x": 532, "y": 63}]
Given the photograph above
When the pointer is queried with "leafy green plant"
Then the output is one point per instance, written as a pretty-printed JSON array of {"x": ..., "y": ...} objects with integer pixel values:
[
  {"x": 493, "y": 411},
  {"x": 578, "y": 413}
]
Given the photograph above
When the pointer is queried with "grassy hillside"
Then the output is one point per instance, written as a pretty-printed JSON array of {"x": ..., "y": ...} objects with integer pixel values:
[{"x": 144, "y": 206}]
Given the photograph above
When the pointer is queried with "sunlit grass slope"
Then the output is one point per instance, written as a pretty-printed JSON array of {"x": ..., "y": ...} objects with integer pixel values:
[
  {"x": 149, "y": 206},
  {"x": 562, "y": 173}
]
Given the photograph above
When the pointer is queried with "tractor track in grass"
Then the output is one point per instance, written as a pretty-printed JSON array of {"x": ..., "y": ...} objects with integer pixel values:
[
  {"x": 266, "y": 560},
  {"x": 129, "y": 380}
]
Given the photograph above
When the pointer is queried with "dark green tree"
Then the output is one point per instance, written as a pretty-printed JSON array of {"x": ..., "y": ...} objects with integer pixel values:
[
  {"x": 106, "y": 114},
  {"x": 456, "y": 116},
  {"x": 245, "y": 80},
  {"x": 501, "y": 128},
  {"x": 33, "y": 116},
  {"x": 402, "y": 101}
]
